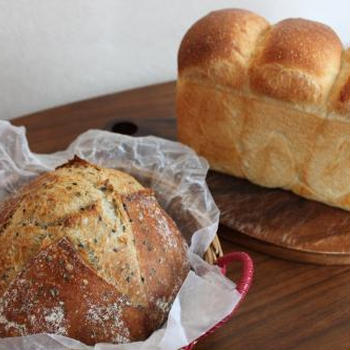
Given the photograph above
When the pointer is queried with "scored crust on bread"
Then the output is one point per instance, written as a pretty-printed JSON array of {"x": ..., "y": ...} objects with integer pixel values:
[
  {"x": 59, "y": 293},
  {"x": 269, "y": 103},
  {"x": 118, "y": 240}
]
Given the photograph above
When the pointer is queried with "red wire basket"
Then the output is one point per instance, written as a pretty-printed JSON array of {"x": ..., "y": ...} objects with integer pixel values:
[{"x": 243, "y": 285}]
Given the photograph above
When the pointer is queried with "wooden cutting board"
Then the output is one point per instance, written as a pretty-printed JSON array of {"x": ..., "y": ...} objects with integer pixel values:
[{"x": 273, "y": 221}]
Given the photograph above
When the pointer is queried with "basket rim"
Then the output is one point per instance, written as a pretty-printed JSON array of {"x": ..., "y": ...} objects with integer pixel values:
[{"x": 243, "y": 286}]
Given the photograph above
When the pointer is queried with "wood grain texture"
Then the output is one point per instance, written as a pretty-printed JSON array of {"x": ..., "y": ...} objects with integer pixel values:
[
  {"x": 291, "y": 306},
  {"x": 291, "y": 226}
]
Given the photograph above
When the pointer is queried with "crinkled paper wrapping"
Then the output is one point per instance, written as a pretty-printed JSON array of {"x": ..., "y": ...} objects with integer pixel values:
[{"x": 177, "y": 175}]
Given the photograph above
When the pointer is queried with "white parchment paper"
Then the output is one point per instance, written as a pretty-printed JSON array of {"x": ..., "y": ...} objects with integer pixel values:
[{"x": 177, "y": 175}]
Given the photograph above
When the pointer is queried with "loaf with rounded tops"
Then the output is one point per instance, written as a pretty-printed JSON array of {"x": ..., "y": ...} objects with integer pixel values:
[
  {"x": 88, "y": 253},
  {"x": 270, "y": 103}
]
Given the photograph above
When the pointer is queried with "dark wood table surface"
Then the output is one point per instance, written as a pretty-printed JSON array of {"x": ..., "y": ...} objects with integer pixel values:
[{"x": 291, "y": 306}]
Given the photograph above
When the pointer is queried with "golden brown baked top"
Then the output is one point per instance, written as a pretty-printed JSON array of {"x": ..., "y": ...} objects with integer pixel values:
[
  {"x": 339, "y": 101},
  {"x": 219, "y": 46},
  {"x": 116, "y": 234},
  {"x": 297, "y": 61}
]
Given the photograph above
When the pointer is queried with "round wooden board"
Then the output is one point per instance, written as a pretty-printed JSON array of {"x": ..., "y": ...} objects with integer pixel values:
[
  {"x": 281, "y": 223},
  {"x": 273, "y": 221}
]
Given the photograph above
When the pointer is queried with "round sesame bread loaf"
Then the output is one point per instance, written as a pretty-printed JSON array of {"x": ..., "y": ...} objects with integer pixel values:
[{"x": 88, "y": 253}]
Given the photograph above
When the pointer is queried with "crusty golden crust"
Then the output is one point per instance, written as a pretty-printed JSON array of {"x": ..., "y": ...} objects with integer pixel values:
[
  {"x": 58, "y": 293},
  {"x": 344, "y": 96},
  {"x": 87, "y": 205},
  {"x": 7, "y": 209},
  {"x": 297, "y": 61},
  {"x": 339, "y": 100},
  {"x": 77, "y": 162},
  {"x": 159, "y": 274},
  {"x": 216, "y": 41},
  {"x": 286, "y": 124}
]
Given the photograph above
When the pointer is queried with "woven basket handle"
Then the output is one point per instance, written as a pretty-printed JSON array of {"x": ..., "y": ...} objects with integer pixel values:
[
  {"x": 243, "y": 284},
  {"x": 246, "y": 278}
]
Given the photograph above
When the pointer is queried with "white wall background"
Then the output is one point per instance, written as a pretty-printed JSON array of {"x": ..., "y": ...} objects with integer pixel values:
[{"x": 58, "y": 51}]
